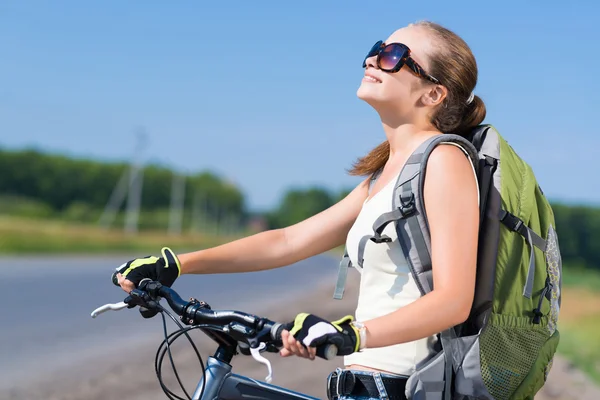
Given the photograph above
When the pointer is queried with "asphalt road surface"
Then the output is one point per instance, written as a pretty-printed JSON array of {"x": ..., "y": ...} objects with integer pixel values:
[{"x": 45, "y": 320}]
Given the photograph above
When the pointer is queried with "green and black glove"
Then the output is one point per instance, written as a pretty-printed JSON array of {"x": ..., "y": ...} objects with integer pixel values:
[
  {"x": 163, "y": 269},
  {"x": 313, "y": 331}
]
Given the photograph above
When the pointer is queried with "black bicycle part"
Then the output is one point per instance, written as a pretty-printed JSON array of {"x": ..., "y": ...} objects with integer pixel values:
[
  {"x": 160, "y": 353},
  {"x": 229, "y": 329}
]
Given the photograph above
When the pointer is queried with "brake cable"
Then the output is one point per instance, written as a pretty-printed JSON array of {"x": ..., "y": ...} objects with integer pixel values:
[{"x": 167, "y": 342}]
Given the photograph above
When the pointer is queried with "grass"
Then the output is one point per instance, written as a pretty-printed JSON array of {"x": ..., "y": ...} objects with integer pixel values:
[
  {"x": 34, "y": 236},
  {"x": 579, "y": 320},
  {"x": 582, "y": 278}
]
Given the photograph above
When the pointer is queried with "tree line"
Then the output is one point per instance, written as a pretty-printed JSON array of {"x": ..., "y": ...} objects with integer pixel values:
[
  {"x": 40, "y": 184},
  {"x": 60, "y": 183}
]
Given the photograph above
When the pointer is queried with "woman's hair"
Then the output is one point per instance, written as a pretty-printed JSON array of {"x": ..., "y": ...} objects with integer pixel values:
[{"x": 454, "y": 65}]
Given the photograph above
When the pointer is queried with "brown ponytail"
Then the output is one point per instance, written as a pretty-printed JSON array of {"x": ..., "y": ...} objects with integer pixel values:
[
  {"x": 454, "y": 65},
  {"x": 372, "y": 162},
  {"x": 475, "y": 114}
]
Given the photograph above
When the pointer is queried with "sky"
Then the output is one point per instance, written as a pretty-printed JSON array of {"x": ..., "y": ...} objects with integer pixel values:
[{"x": 264, "y": 92}]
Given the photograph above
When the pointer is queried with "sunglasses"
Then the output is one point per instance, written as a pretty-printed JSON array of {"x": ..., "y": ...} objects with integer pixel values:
[{"x": 392, "y": 57}]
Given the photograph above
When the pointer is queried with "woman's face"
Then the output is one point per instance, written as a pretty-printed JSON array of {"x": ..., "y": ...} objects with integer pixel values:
[{"x": 398, "y": 91}]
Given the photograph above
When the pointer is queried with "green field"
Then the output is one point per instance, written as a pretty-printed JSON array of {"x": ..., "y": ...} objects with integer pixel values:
[
  {"x": 35, "y": 236},
  {"x": 579, "y": 320}
]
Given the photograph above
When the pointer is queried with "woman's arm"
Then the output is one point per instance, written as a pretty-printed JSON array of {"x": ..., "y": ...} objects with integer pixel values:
[
  {"x": 451, "y": 201},
  {"x": 279, "y": 247}
]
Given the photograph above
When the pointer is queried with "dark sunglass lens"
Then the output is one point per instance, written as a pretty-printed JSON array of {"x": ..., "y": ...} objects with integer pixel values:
[
  {"x": 375, "y": 49},
  {"x": 391, "y": 56},
  {"x": 373, "y": 52}
]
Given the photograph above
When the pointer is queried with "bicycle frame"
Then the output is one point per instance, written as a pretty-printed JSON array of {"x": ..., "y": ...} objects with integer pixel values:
[{"x": 221, "y": 383}]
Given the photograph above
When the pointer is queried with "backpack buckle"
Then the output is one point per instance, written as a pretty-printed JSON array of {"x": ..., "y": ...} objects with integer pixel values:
[
  {"x": 380, "y": 238},
  {"x": 513, "y": 222},
  {"x": 408, "y": 207}
]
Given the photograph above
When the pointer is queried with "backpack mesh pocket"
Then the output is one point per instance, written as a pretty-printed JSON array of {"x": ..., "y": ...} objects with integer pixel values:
[
  {"x": 554, "y": 262},
  {"x": 509, "y": 348}
]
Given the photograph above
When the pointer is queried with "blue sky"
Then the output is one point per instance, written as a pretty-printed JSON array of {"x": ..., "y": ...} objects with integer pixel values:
[{"x": 264, "y": 92}]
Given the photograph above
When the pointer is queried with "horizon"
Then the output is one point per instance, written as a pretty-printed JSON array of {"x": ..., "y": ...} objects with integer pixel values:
[{"x": 331, "y": 191}]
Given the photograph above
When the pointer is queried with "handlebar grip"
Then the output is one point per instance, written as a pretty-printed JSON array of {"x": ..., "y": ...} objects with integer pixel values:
[
  {"x": 276, "y": 332},
  {"x": 114, "y": 279},
  {"x": 326, "y": 351}
]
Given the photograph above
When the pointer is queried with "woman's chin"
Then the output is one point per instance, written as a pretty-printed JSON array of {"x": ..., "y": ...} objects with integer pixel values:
[{"x": 368, "y": 94}]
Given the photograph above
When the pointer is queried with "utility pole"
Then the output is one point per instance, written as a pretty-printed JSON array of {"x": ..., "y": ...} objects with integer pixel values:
[
  {"x": 130, "y": 179},
  {"x": 177, "y": 201},
  {"x": 195, "y": 220},
  {"x": 115, "y": 201},
  {"x": 135, "y": 183}
]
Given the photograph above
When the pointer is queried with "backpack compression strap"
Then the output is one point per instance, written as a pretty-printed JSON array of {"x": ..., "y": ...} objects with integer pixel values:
[{"x": 515, "y": 224}]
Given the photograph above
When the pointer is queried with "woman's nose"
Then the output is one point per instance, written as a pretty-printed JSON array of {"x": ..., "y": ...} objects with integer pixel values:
[{"x": 371, "y": 62}]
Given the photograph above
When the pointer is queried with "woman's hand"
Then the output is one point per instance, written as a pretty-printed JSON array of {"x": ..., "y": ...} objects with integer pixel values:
[
  {"x": 165, "y": 269},
  {"x": 291, "y": 347},
  {"x": 309, "y": 331}
]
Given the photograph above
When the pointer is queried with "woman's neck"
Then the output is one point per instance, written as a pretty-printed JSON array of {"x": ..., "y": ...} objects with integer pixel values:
[{"x": 406, "y": 137}]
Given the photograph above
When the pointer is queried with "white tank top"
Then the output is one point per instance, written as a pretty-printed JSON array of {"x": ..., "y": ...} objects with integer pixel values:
[{"x": 386, "y": 284}]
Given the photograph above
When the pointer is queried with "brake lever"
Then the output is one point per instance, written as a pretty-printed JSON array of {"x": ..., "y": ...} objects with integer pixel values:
[
  {"x": 108, "y": 307},
  {"x": 139, "y": 298},
  {"x": 255, "y": 352},
  {"x": 148, "y": 307},
  {"x": 148, "y": 312},
  {"x": 244, "y": 348}
]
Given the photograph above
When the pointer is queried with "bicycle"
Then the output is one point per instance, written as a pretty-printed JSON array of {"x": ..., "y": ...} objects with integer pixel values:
[{"x": 234, "y": 331}]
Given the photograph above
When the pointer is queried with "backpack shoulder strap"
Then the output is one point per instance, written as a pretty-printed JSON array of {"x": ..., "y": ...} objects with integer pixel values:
[
  {"x": 403, "y": 204},
  {"x": 408, "y": 212},
  {"x": 414, "y": 237},
  {"x": 417, "y": 232},
  {"x": 408, "y": 215}
]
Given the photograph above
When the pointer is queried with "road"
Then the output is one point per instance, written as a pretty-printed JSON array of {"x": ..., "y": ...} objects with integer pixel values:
[{"x": 47, "y": 301}]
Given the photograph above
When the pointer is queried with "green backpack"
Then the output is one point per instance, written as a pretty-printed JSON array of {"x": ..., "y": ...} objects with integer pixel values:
[{"x": 505, "y": 348}]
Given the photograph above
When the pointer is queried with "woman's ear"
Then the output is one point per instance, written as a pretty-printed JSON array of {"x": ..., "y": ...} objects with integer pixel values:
[{"x": 435, "y": 95}]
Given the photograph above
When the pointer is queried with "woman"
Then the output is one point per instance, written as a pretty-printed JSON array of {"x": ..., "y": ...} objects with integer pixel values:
[{"x": 428, "y": 93}]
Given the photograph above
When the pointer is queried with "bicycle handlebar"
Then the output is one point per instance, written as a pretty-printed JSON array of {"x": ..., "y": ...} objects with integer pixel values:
[{"x": 238, "y": 325}]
